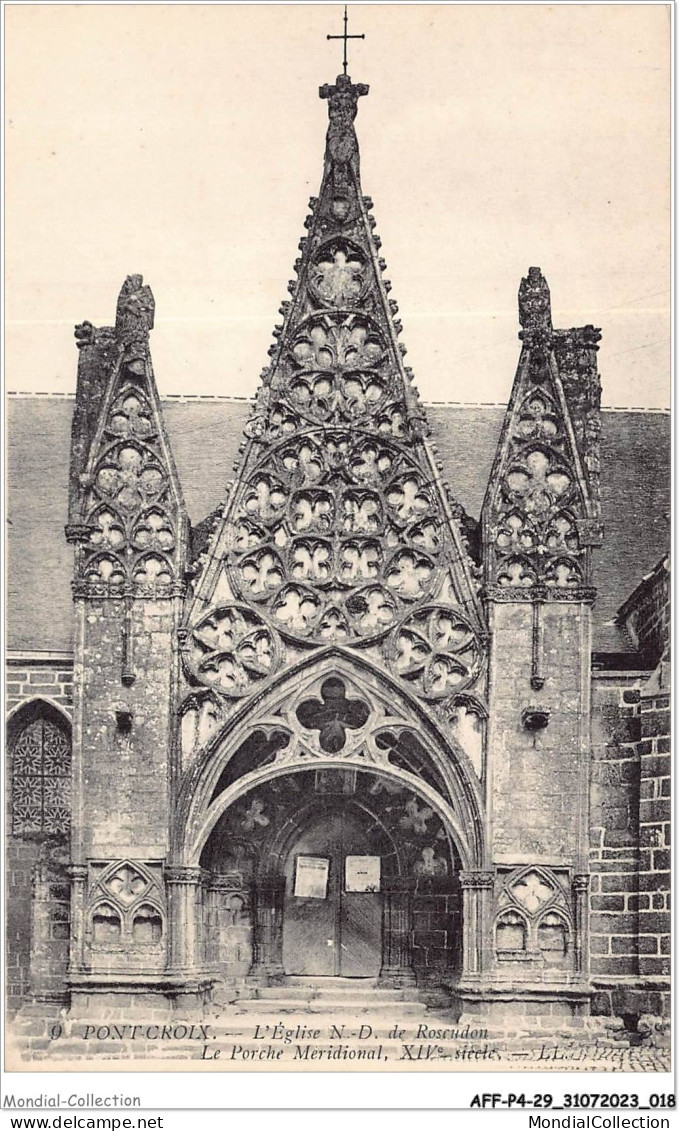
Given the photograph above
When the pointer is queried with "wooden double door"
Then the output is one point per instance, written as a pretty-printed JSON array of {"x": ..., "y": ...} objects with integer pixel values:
[{"x": 330, "y": 926}]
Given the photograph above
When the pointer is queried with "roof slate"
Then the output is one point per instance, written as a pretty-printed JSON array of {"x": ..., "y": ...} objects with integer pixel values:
[{"x": 205, "y": 435}]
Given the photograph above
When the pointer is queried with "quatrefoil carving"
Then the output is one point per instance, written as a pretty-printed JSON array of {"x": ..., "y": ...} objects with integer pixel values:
[
  {"x": 338, "y": 342},
  {"x": 131, "y": 417},
  {"x": 333, "y": 714},
  {"x": 126, "y": 885},
  {"x": 130, "y": 477},
  {"x": 532, "y": 891},
  {"x": 338, "y": 274}
]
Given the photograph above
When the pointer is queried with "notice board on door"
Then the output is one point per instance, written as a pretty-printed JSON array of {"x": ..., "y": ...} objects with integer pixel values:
[
  {"x": 311, "y": 877},
  {"x": 362, "y": 873}
]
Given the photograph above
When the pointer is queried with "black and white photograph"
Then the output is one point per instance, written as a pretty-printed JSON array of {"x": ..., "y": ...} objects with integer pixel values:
[{"x": 337, "y": 677}]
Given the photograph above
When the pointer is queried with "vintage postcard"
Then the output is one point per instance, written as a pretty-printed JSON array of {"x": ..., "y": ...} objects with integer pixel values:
[{"x": 337, "y": 678}]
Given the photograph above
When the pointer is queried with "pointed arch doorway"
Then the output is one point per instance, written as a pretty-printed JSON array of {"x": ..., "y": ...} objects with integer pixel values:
[{"x": 350, "y": 875}]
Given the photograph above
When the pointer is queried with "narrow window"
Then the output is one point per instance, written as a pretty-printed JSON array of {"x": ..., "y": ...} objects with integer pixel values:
[{"x": 41, "y": 779}]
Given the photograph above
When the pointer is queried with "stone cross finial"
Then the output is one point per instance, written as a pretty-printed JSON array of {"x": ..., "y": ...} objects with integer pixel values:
[
  {"x": 535, "y": 311},
  {"x": 341, "y": 143},
  {"x": 135, "y": 309}
]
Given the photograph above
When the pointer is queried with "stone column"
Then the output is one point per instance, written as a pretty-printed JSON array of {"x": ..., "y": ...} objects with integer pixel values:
[
  {"x": 40, "y": 932},
  {"x": 78, "y": 874},
  {"x": 581, "y": 942},
  {"x": 184, "y": 939},
  {"x": 212, "y": 897},
  {"x": 397, "y": 933},
  {"x": 267, "y": 907},
  {"x": 477, "y": 890}
]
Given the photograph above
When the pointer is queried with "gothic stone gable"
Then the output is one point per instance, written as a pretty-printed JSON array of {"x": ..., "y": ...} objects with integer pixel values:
[
  {"x": 339, "y": 529},
  {"x": 541, "y": 513},
  {"x": 126, "y": 513}
]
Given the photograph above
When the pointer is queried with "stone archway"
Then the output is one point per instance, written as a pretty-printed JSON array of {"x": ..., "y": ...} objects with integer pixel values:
[
  {"x": 402, "y": 922},
  {"x": 332, "y": 713}
]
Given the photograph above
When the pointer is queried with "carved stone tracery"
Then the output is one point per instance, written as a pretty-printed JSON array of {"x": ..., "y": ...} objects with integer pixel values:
[
  {"x": 534, "y": 917},
  {"x": 129, "y": 521},
  {"x": 335, "y": 536},
  {"x": 537, "y": 517},
  {"x": 41, "y": 779},
  {"x": 339, "y": 530}
]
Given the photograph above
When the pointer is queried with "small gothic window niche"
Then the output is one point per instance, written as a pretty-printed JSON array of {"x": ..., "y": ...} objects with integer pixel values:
[
  {"x": 553, "y": 939},
  {"x": 511, "y": 933},
  {"x": 126, "y": 906},
  {"x": 41, "y": 772},
  {"x": 534, "y": 916},
  {"x": 106, "y": 925},
  {"x": 147, "y": 926}
]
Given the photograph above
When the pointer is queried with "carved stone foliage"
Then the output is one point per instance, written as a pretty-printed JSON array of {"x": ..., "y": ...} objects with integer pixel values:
[
  {"x": 128, "y": 532},
  {"x": 538, "y": 516},
  {"x": 335, "y": 536},
  {"x": 534, "y": 919}
]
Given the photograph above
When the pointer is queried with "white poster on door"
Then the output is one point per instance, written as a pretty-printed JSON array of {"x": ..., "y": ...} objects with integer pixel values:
[
  {"x": 362, "y": 873},
  {"x": 311, "y": 877}
]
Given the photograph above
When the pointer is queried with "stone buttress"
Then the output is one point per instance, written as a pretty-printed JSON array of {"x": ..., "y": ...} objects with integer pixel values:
[
  {"x": 540, "y": 523},
  {"x": 129, "y": 531}
]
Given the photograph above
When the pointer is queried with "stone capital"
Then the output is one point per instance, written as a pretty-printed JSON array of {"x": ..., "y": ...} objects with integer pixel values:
[
  {"x": 183, "y": 875},
  {"x": 78, "y": 873},
  {"x": 477, "y": 880}
]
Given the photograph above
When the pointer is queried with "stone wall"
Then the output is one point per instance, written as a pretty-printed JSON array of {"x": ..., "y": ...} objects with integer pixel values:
[
  {"x": 630, "y": 845},
  {"x": 645, "y": 616},
  {"x": 614, "y": 827},
  {"x": 124, "y": 722},
  {"x": 436, "y": 938},
  {"x": 21, "y": 858},
  {"x": 49, "y": 678},
  {"x": 538, "y": 777},
  {"x": 654, "y": 835},
  {"x": 37, "y": 898}
]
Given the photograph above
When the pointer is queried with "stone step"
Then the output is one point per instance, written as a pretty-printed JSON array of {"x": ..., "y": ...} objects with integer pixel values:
[
  {"x": 333, "y": 1006},
  {"x": 367, "y": 994},
  {"x": 338, "y": 983}
]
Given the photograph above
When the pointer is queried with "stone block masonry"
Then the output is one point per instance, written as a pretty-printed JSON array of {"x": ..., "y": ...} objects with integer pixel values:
[
  {"x": 614, "y": 829},
  {"x": 630, "y": 811},
  {"x": 39, "y": 677},
  {"x": 654, "y": 836}
]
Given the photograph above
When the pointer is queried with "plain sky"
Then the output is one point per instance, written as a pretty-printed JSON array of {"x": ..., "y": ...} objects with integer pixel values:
[{"x": 182, "y": 142}]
